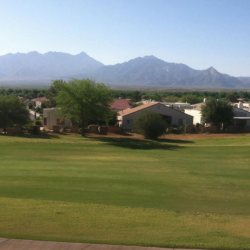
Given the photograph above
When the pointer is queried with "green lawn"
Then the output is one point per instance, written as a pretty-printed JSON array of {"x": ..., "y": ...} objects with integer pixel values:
[{"x": 168, "y": 193}]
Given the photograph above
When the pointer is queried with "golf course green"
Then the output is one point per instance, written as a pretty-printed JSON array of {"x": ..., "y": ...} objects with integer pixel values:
[{"x": 167, "y": 193}]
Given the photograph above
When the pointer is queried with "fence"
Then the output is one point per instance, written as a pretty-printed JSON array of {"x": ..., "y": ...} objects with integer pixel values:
[{"x": 15, "y": 130}]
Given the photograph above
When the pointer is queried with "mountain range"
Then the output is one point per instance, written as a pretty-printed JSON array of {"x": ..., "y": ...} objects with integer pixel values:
[{"x": 147, "y": 71}]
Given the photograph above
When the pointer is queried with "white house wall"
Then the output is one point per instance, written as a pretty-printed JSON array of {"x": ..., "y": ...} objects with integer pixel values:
[
  {"x": 237, "y": 113},
  {"x": 195, "y": 113},
  {"x": 52, "y": 115}
]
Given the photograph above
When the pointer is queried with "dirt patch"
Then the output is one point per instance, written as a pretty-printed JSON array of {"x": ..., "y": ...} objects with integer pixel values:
[
  {"x": 203, "y": 136},
  {"x": 171, "y": 136},
  {"x": 128, "y": 135}
]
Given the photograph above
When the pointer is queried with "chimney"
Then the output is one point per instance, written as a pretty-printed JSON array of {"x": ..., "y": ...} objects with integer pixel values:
[
  {"x": 205, "y": 99},
  {"x": 240, "y": 105}
]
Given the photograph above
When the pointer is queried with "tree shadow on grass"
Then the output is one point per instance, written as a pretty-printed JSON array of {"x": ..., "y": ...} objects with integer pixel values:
[
  {"x": 30, "y": 136},
  {"x": 138, "y": 144},
  {"x": 174, "y": 141}
]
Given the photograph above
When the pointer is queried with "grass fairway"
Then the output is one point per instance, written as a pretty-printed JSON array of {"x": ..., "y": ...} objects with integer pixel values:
[{"x": 168, "y": 193}]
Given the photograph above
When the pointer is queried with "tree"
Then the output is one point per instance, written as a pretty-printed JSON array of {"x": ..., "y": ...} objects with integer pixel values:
[
  {"x": 12, "y": 111},
  {"x": 111, "y": 118},
  {"x": 40, "y": 95},
  {"x": 231, "y": 97},
  {"x": 83, "y": 100},
  {"x": 171, "y": 98},
  {"x": 192, "y": 99},
  {"x": 52, "y": 92},
  {"x": 136, "y": 96},
  {"x": 150, "y": 125},
  {"x": 217, "y": 112}
]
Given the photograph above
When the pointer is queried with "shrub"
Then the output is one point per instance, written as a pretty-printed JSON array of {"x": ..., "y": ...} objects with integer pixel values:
[
  {"x": 150, "y": 125},
  {"x": 176, "y": 131},
  {"x": 111, "y": 118},
  {"x": 28, "y": 126},
  {"x": 198, "y": 127},
  {"x": 35, "y": 130},
  {"x": 38, "y": 123},
  {"x": 181, "y": 129}
]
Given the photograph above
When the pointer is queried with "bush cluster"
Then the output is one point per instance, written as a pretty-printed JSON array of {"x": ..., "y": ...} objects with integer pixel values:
[{"x": 150, "y": 125}]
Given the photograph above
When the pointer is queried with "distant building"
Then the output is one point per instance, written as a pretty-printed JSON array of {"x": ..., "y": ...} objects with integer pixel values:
[
  {"x": 178, "y": 105},
  {"x": 120, "y": 104},
  {"x": 28, "y": 102},
  {"x": 171, "y": 116},
  {"x": 195, "y": 112},
  {"x": 241, "y": 114},
  {"x": 51, "y": 117},
  {"x": 38, "y": 101}
]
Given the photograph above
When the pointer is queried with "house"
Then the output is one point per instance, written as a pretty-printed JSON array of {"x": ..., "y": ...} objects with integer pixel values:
[
  {"x": 171, "y": 116},
  {"x": 178, "y": 105},
  {"x": 21, "y": 98},
  {"x": 175, "y": 105},
  {"x": 28, "y": 102},
  {"x": 51, "y": 117},
  {"x": 120, "y": 104},
  {"x": 195, "y": 112},
  {"x": 33, "y": 115},
  {"x": 38, "y": 101},
  {"x": 241, "y": 115}
]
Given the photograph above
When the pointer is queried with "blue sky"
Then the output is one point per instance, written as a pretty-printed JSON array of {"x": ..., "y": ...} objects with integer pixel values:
[{"x": 199, "y": 33}]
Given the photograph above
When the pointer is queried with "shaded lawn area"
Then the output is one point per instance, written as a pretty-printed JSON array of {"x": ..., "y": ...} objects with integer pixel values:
[{"x": 172, "y": 193}]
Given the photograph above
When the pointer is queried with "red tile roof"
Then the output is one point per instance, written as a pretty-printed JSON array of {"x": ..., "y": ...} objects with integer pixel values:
[
  {"x": 120, "y": 104},
  {"x": 22, "y": 98},
  {"x": 39, "y": 99}
]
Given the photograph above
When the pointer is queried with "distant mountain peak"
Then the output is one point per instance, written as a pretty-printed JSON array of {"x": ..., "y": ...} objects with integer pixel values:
[
  {"x": 33, "y": 52},
  {"x": 149, "y": 57},
  {"x": 212, "y": 71},
  {"x": 82, "y": 54},
  {"x": 51, "y": 65}
]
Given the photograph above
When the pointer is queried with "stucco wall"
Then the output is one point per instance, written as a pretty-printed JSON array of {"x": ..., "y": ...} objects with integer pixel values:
[
  {"x": 52, "y": 115},
  {"x": 159, "y": 109},
  {"x": 237, "y": 113},
  {"x": 195, "y": 113}
]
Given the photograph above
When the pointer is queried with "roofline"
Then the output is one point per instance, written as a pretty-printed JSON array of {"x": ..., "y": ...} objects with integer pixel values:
[
  {"x": 155, "y": 104},
  {"x": 241, "y": 118},
  {"x": 139, "y": 109},
  {"x": 241, "y": 109}
]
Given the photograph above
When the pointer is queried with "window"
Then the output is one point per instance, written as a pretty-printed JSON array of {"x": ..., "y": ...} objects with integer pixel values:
[
  {"x": 182, "y": 122},
  {"x": 60, "y": 122},
  {"x": 128, "y": 121},
  {"x": 45, "y": 121}
]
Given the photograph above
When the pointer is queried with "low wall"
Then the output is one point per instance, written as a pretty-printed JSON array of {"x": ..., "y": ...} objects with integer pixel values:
[
  {"x": 114, "y": 129},
  {"x": 74, "y": 129},
  {"x": 170, "y": 130},
  {"x": 134, "y": 130},
  {"x": 15, "y": 130},
  {"x": 56, "y": 129},
  {"x": 93, "y": 129},
  {"x": 103, "y": 129},
  {"x": 189, "y": 130},
  {"x": 232, "y": 129},
  {"x": 211, "y": 129}
]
